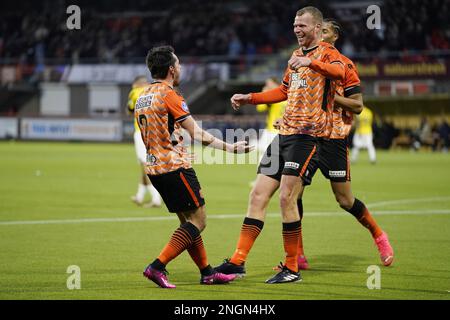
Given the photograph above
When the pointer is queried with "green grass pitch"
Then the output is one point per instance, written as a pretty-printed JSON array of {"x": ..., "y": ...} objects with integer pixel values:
[{"x": 65, "y": 204}]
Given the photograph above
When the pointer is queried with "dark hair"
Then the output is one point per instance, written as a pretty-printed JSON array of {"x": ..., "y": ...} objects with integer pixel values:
[
  {"x": 313, "y": 11},
  {"x": 337, "y": 28},
  {"x": 159, "y": 59}
]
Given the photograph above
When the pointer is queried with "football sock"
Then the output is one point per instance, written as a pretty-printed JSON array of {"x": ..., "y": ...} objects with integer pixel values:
[
  {"x": 198, "y": 253},
  {"x": 291, "y": 233},
  {"x": 360, "y": 212},
  {"x": 249, "y": 232},
  {"x": 140, "y": 194},
  {"x": 156, "y": 198},
  {"x": 181, "y": 239},
  {"x": 300, "y": 241},
  {"x": 207, "y": 271}
]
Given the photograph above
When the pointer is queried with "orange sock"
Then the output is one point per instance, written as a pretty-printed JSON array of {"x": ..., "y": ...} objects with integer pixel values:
[
  {"x": 249, "y": 232},
  {"x": 198, "y": 253},
  {"x": 291, "y": 233},
  {"x": 181, "y": 239},
  {"x": 360, "y": 212},
  {"x": 300, "y": 241},
  {"x": 369, "y": 222}
]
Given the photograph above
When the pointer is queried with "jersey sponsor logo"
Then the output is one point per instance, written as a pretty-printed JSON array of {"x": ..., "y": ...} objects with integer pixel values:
[
  {"x": 291, "y": 165},
  {"x": 297, "y": 82},
  {"x": 337, "y": 174},
  {"x": 184, "y": 106},
  {"x": 144, "y": 101}
]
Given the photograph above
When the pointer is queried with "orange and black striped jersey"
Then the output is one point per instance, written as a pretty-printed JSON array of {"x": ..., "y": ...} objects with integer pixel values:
[
  {"x": 309, "y": 92},
  {"x": 310, "y": 95},
  {"x": 342, "y": 119},
  {"x": 159, "y": 111}
]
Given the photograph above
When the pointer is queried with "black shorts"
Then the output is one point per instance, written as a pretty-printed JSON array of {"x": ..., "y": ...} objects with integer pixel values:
[
  {"x": 332, "y": 159},
  {"x": 288, "y": 155},
  {"x": 179, "y": 189}
]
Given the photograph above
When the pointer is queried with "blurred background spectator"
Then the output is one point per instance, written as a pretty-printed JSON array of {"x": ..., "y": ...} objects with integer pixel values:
[{"x": 113, "y": 29}]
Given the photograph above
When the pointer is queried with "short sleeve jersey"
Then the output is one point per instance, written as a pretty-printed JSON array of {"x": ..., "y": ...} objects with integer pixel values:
[
  {"x": 310, "y": 95},
  {"x": 159, "y": 111},
  {"x": 342, "y": 119}
]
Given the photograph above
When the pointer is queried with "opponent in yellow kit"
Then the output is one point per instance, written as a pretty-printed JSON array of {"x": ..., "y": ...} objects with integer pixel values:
[{"x": 139, "y": 85}]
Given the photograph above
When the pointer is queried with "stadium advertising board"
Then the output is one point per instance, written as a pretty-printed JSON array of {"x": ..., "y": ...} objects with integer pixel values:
[
  {"x": 71, "y": 129},
  {"x": 8, "y": 128},
  {"x": 418, "y": 70}
]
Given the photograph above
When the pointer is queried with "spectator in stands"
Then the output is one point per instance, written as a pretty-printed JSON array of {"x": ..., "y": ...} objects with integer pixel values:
[
  {"x": 384, "y": 133},
  {"x": 199, "y": 28},
  {"x": 444, "y": 135},
  {"x": 422, "y": 136}
]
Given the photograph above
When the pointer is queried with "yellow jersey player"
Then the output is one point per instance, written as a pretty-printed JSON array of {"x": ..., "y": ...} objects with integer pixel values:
[
  {"x": 363, "y": 137},
  {"x": 274, "y": 112},
  {"x": 138, "y": 86}
]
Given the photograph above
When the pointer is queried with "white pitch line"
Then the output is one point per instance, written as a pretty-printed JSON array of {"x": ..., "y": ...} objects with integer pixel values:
[
  {"x": 214, "y": 217},
  {"x": 407, "y": 201}
]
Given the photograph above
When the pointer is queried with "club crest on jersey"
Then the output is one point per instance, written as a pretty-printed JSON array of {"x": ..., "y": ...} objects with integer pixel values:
[
  {"x": 144, "y": 101},
  {"x": 297, "y": 82},
  {"x": 151, "y": 159},
  {"x": 184, "y": 106}
]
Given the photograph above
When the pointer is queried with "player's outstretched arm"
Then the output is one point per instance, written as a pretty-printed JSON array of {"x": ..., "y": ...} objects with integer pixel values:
[
  {"x": 238, "y": 100},
  {"x": 353, "y": 103},
  {"x": 207, "y": 139},
  {"x": 272, "y": 96}
]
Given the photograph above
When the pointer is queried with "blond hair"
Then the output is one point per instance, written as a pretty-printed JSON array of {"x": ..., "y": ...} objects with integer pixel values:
[{"x": 313, "y": 11}]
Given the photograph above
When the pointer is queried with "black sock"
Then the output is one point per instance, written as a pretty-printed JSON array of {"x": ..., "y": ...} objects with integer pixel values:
[
  {"x": 191, "y": 229},
  {"x": 357, "y": 209},
  {"x": 207, "y": 271},
  {"x": 158, "y": 265},
  {"x": 254, "y": 222}
]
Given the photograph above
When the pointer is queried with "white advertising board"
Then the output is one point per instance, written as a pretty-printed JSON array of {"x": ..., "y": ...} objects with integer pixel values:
[{"x": 71, "y": 129}]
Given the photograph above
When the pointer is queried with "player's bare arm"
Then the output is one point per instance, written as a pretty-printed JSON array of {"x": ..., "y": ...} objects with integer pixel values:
[
  {"x": 352, "y": 103},
  {"x": 207, "y": 139}
]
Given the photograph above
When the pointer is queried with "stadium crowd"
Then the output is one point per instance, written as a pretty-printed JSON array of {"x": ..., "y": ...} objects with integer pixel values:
[
  {"x": 114, "y": 30},
  {"x": 432, "y": 135},
  {"x": 406, "y": 26}
]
